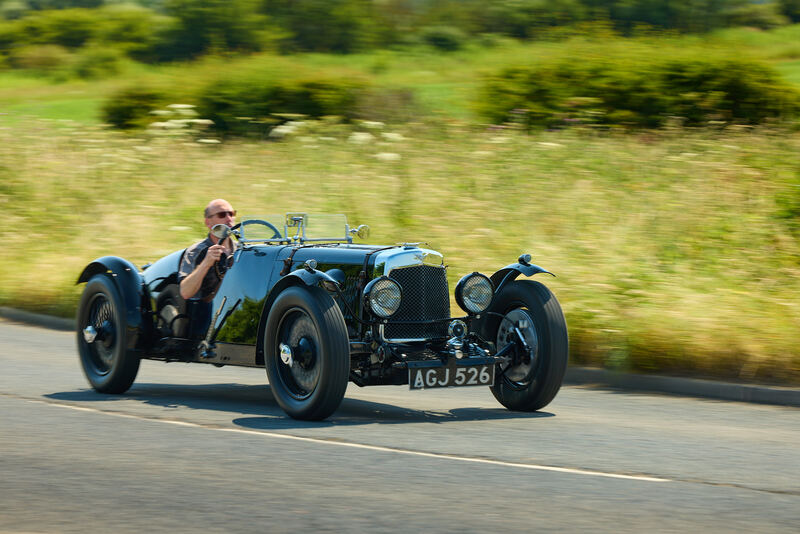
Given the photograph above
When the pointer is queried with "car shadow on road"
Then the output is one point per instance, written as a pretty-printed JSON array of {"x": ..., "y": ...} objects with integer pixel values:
[{"x": 260, "y": 411}]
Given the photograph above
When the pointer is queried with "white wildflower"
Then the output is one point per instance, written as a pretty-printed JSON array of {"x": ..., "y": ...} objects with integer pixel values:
[
  {"x": 360, "y": 138},
  {"x": 388, "y": 156},
  {"x": 392, "y": 136},
  {"x": 180, "y": 106},
  {"x": 161, "y": 112},
  {"x": 550, "y": 145},
  {"x": 209, "y": 141},
  {"x": 282, "y": 130},
  {"x": 202, "y": 122},
  {"x": 374, "y": 125}
]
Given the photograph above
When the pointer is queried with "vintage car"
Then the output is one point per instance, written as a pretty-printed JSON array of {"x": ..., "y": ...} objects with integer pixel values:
[{"x": 317, "y": 311}]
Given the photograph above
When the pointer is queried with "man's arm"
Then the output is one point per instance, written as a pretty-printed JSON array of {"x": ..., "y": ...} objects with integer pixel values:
[{"x": 192, "y": 283}]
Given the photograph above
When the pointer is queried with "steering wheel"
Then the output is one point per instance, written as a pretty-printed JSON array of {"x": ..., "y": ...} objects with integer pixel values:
[{"x": 262, "y": 222}]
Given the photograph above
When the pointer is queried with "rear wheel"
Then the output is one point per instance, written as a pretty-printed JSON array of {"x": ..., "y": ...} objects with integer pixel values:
[
  {"x": 528, "y": 309},
  {"x": 306, "y": 353},
  {"x": 102, "y": 338}
]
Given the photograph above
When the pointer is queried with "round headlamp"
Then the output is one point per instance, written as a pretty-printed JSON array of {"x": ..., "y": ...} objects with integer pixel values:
[
  {"x": 383, "y": 296},
  {"x": 474, "y": 293}
]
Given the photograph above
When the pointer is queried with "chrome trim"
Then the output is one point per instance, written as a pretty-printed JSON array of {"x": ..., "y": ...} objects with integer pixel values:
[
  {"x": 286, "y": 354},
  {"x": 396, "y": 258},
  {"x": 89, "y": 334}
]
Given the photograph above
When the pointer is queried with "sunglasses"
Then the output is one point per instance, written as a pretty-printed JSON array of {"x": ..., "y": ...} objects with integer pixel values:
[{"x": 223, "y": 214}]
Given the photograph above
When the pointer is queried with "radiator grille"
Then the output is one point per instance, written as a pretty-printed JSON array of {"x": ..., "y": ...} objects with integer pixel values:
[{"x": 425, "y": 297}]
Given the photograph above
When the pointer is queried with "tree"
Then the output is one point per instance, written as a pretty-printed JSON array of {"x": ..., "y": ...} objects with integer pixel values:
[{"x": 214, "y": 25}]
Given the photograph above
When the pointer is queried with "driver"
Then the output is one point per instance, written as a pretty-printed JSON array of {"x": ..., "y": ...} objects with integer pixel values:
[{"x": 196, "y": 275}]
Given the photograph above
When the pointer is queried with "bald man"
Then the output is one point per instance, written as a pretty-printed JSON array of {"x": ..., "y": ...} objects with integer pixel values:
[{"x": 196, "y": 276}]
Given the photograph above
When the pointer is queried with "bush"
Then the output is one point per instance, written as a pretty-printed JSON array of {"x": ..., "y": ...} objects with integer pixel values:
[
  {"x": 94, "y": 63},
  {"x": 132, "y": 107},
  {"x": 444, "y": 38},
  {"x": 644, "y": 89},
  {"x": 41, "y": 58},
  {"x": 71, "y": 28},
  {"x": 250, "y": 104}
]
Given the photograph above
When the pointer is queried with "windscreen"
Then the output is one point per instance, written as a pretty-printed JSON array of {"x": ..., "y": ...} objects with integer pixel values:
[{"x": 294, "y": 226}]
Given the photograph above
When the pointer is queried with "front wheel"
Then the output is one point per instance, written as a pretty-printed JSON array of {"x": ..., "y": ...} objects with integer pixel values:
[
  {"x": 102, "y": 338},
  {"x": 529, "y": 309},
  {"x": 306, "y": 353}
]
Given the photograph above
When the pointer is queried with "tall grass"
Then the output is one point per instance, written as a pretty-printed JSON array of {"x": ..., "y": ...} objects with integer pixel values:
[{"x": 675, "y": 251}]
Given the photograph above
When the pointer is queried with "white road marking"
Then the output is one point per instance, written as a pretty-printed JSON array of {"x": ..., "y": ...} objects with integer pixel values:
[{"x": 352, "y": 445}]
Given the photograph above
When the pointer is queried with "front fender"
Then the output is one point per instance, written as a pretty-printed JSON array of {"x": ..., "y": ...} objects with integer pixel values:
[
  {"x": 509, "y": 273},
  {"x": 301, "y": 276},
  {"x": 130, "y": 285}
]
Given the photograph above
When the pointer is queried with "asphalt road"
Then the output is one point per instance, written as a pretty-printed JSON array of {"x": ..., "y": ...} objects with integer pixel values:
[{"x": 194, "y": 448}]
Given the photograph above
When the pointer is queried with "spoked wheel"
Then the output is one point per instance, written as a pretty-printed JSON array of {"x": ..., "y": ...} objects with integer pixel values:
[
  {"x": 306, "y": 353},
  {"x": 102, "y": 338},
  {"x": 527, "y": 313}
]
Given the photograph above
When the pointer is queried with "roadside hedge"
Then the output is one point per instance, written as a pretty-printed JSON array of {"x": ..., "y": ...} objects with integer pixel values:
[
  {"x": 642, "y": 90},
  {"x": 249, "y": 105}
]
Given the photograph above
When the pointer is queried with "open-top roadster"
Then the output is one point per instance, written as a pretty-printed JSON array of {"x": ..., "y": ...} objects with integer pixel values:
[{"x": 300, "y": 299}]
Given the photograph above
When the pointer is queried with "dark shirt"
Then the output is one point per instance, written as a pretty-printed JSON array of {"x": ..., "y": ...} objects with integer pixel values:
[{"x": 191, "y": 259}]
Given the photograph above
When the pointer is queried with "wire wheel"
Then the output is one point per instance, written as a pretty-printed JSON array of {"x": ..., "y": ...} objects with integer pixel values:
[
  {"x": 101, "y": 320},
  {"x": 109, "y": 365}
]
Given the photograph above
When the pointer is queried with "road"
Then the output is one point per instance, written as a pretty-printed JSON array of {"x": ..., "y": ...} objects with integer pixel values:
[{"x": 194, "y": 448}]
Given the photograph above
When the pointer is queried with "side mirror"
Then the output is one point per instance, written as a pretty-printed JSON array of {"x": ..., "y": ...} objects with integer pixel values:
[
  {"x": 220, "y": 231},
  {"x": 362, "y": 231}
]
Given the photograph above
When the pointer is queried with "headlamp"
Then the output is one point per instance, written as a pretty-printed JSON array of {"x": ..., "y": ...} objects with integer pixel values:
[
  {"x": 474, "y": 293},
  {"x": 383, "y": 296}
]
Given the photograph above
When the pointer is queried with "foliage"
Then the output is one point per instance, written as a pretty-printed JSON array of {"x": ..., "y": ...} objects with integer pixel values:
[
  {"x": 791, "y": 9},
  {"x": 251, "y": 104},
  {"x": 132, "y": 107},
  {"x": 341, "y": 26},
  {"x": 213, "y": 26},
  {"x": 45, "y": 59},
  {"x": 640, "y": 87},
  {"x": 763, "y": 16},
  {"x": 444, "y": 38},
  {"x": 97, "y": 62}
]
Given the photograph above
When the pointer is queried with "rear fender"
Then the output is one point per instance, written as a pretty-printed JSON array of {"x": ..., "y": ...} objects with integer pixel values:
[
  {"x": 131, "y": 288},
  {"x": 299, "y": 277}
]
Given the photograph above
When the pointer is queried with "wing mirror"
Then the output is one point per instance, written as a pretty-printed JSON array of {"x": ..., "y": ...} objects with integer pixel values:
[
  {"x": 362, "y": 231},
  {"x": 220, "y": 231}
]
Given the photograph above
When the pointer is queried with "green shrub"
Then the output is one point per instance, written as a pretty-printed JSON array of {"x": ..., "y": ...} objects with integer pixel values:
[
  {"x": 444, "y": 38},
  {"x": 249, "y": 104},
  {"x": 642, "y": 89},
  {"x": 92, "y": 63},
  {"x": 41, "y": 58},
  {"x": 71, "y": 28},
  {"x": 132, "y": 107}
]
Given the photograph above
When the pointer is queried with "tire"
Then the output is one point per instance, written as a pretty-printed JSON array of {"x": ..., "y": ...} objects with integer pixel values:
[
  {"x": 107, "y": 363},
  {"x": 531, "y": 386},
  {"x": 309, "y": 378}
]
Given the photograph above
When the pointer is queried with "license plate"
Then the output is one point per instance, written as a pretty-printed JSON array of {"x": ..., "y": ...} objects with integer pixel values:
[{"x": 442, "y": 377}]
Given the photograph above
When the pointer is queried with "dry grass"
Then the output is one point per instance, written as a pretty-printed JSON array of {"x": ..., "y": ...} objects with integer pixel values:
[{"x": 669, "y": 248}]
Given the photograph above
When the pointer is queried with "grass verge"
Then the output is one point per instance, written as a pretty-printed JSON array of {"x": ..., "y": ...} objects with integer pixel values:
[{"x": 676, "y": 251}]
